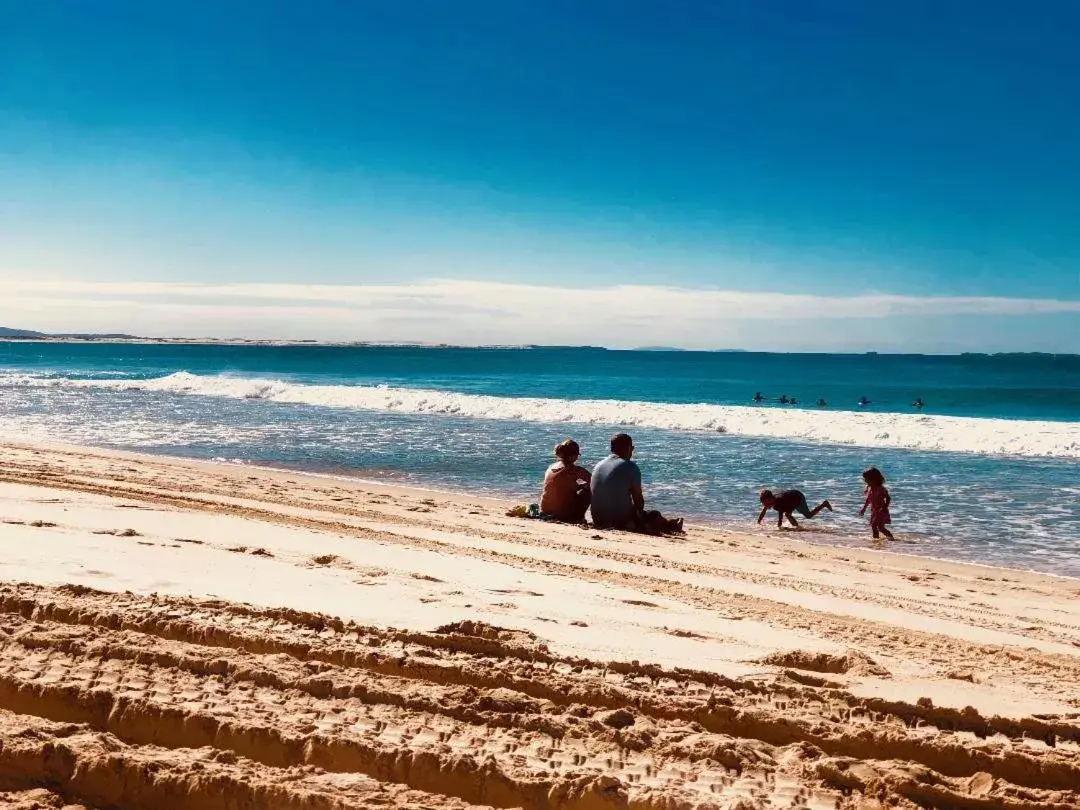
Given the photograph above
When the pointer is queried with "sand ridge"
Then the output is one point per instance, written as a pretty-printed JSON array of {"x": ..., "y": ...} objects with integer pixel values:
[{"x": 452, "y": 715}]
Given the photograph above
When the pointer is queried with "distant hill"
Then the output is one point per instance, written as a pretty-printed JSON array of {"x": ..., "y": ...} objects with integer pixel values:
[{"x": 30, "y": 334}]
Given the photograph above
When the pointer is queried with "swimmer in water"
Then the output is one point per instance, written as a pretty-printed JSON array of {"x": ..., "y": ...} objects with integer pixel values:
[
  {"x": 758, "y": 397},
  {"x": 783, "y": 399},
  {"x": 863, "y": 402},
  {"x": 821, "y": 403},
  {"x": 918, "y": 403}
]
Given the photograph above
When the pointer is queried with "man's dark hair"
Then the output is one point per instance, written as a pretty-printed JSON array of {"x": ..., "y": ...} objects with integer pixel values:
[{"x": 621, "y": 444}]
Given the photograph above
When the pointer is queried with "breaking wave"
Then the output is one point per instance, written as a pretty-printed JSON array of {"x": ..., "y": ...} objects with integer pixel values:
[{"x": 895, "y": 430}]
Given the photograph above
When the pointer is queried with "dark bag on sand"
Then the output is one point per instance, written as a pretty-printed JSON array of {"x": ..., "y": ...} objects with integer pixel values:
[{"x": 652, "y": 522}]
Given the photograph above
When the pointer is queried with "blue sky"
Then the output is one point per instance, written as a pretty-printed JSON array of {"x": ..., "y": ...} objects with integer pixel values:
[{"x": 834, "y": 149}]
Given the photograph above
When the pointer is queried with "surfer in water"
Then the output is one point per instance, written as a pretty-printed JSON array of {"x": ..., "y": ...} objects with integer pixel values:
[
  {"x": 863, "y": 402},
  {"x": 918, "y": 403}
]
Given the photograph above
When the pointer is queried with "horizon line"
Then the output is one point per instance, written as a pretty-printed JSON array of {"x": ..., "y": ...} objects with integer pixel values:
[{"x": 106, "y": 338}]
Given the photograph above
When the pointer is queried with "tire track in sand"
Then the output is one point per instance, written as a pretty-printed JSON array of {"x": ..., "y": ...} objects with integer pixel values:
[{"x": 116, "y": 700}]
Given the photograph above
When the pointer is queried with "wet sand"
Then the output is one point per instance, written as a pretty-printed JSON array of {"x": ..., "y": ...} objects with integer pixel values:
[{"x": 177, "y": 634}]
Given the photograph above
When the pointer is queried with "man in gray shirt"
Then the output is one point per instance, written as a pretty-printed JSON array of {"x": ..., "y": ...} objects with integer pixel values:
[{"x": 617, "y": 501}]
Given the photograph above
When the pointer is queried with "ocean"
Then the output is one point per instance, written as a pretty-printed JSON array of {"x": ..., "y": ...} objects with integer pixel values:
[{"x": 986, "y": 472}]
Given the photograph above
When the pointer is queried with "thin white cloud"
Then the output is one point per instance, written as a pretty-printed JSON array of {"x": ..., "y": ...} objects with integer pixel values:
[
  {"x": 640, "y": 297},
  {"x": 457, "y": 311}
]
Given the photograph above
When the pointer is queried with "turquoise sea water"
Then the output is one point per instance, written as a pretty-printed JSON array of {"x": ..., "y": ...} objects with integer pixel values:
[{"x": 986, "y": 471}]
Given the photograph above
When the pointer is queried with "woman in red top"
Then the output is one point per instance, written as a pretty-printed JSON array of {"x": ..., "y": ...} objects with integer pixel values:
[
  {"x": 878, "y": 499},
  {"x": 566, "y": 493}
]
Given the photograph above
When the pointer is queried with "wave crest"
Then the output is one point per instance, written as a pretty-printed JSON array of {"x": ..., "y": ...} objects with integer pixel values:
[{"x": 896, "y": 430}]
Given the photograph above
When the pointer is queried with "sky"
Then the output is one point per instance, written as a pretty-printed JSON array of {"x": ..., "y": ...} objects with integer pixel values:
[{"x": 821, "y": 175}]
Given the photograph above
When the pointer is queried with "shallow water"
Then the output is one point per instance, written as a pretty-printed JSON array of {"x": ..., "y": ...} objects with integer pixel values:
[{"x": 1016, "y": 510}]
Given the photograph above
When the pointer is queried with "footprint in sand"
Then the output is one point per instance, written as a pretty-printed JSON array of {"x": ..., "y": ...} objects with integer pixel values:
[
  {"x": 674, "y": 631},
  {"x": 334, "y": 561},
  {"x": 425, "y": 577},
  {"x": 640, "y": 603},
  {"x": 512, "y": 591}
]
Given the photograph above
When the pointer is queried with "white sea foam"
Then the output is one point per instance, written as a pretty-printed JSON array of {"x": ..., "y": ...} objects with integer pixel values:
[{"x": 866, "y": 429}]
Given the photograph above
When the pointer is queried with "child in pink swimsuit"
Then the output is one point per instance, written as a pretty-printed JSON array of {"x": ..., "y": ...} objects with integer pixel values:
[{"x": 878, "y": 499}]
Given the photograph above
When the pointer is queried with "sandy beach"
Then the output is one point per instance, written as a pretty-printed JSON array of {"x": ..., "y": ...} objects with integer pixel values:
[{"x": 178, "y": 634}]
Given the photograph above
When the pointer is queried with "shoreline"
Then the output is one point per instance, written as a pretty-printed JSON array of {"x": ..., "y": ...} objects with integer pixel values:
[
  {"x": 782, "y": 542},
  {"x": 708, "y": 524},
  {"x": 807, "y": 535},
  {"x": 328, "y": 643}
]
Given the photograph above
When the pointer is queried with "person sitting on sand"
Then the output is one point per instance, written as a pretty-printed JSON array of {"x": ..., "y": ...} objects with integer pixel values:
[
  {"x": 786, "y": 503},
  {"x": 566, "y": 493},
  {"x": 617, "y": 499}
]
